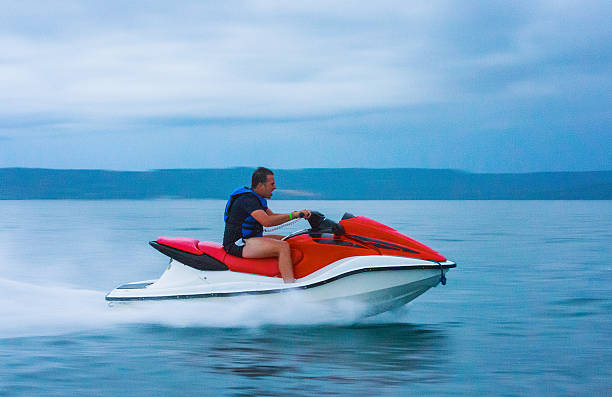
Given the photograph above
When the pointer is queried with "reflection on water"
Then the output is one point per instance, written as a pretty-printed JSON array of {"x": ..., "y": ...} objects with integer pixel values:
[
  {"x": 403, "y": 352},
  {"x": 267, "y": 360}
]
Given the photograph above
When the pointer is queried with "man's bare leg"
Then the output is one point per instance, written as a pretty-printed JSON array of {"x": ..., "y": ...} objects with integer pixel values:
[
  {"x": 264, "y": 247},
  {"x": 275, "y": 236}
]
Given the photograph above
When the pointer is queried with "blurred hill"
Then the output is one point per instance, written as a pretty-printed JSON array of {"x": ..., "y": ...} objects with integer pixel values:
[{"x": 315, "y": 183}]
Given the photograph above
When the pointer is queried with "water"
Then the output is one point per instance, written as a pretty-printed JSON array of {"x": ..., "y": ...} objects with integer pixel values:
[{"x": 526, "y": 312}]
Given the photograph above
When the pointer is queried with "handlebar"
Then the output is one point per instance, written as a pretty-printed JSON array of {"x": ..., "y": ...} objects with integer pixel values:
[{"x": 318, "y": 222}]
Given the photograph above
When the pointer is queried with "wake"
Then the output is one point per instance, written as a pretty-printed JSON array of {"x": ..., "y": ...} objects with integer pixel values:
[{"x": 34, "y": 310}]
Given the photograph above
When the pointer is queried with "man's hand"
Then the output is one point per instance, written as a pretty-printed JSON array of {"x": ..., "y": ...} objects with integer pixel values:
[{"x": 301, "y": 214}]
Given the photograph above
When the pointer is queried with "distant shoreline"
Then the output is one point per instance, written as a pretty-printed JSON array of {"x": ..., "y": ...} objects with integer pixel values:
[{"x": 304, "y": 184}]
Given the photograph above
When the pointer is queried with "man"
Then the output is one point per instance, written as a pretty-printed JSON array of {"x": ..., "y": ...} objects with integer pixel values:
[{"x": 246, "y": 214}]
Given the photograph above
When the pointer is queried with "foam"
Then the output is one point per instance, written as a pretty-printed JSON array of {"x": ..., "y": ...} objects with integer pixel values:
[{"x": 35, "y": 310}]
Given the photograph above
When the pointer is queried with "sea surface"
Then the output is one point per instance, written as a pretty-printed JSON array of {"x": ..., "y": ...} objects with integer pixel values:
[{"x": 528, "y": 310}]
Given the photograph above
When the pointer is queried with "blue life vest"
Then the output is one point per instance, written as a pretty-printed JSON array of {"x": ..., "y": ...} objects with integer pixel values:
[{"x": 250, "y": 226}]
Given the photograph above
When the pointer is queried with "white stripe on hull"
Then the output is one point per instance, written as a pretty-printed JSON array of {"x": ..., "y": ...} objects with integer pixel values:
[{"x": 380, "y": 282}]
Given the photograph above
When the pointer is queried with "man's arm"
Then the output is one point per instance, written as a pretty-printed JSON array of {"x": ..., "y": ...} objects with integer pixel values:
[
  {"x": 268, "y": 218},
  {"x": 295, "y": 214}
]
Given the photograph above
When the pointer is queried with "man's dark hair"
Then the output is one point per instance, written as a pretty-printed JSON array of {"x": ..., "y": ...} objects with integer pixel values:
[{"x": 260, "y": 175}]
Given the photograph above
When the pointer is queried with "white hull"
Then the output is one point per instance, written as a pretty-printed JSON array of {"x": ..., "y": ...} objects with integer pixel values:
[{"x": 379, "y": 282}]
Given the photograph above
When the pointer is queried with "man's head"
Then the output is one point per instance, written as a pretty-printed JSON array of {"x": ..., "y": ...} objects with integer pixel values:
[{"x": 262, "y": 182}]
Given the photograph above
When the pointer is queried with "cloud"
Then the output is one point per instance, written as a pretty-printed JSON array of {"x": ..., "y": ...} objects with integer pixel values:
[
  {"x": 280, "y": 60},
  {"x": 407, "y": 72},
  {"x": 129, "y": 76}
]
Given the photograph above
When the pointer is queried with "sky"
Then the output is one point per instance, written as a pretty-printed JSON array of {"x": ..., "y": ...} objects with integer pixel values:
[{"x": 480, "y": 86}]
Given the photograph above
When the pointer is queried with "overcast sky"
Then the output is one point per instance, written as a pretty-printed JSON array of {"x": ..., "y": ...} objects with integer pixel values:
[{"x": 491, "y": 86}]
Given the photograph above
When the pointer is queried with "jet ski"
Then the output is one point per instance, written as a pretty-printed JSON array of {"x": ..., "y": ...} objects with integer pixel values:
[{"x": 356, "y": 259}]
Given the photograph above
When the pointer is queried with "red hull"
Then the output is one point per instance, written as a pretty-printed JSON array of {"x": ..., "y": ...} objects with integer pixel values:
[{"x": 313, "y": 251}]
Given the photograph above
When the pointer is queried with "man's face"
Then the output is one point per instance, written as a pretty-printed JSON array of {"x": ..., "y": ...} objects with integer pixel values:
[
  {"x": 268, "y": 187},
  {"x": 265, "y": 189}
]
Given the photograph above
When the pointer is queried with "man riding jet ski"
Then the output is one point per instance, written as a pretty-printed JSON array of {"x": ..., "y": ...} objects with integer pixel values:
[
  {"x": 357, "y": 259},
  {"x": 246, "y": 214}
]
